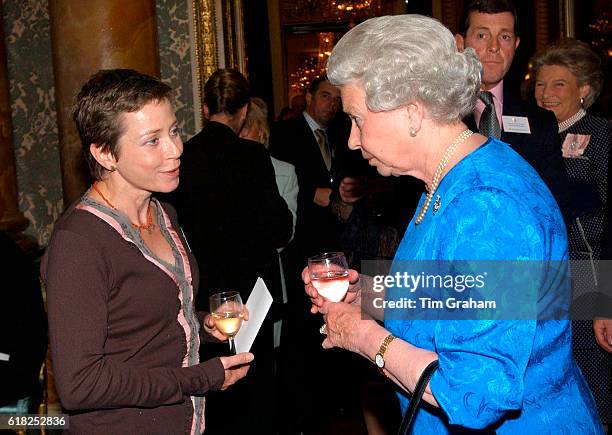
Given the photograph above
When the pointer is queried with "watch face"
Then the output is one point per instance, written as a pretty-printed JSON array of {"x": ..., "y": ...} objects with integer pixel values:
[{"x": 379, "y": 360}]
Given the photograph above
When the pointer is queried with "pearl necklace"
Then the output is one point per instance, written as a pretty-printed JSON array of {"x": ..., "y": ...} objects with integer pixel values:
[
  {"x": 564, "y": 125},
  {"x": 437, "y": 174},
  {"x": 148, "y": 227}
]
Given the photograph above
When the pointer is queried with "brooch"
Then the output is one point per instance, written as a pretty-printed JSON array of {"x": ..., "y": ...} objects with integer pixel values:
[
  {"x": 574, "y": 145},
  {"x": 436, "y": 205}
]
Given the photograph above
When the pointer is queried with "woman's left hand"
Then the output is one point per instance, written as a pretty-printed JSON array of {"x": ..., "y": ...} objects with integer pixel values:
[
  {"x": 344, "y": 326},
  {"x": 211, "y": 328},
  {"x": 353, "y": 296}
]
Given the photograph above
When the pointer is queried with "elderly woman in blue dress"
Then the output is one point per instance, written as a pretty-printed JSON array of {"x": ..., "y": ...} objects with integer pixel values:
[{"x": 406, "y": 88}]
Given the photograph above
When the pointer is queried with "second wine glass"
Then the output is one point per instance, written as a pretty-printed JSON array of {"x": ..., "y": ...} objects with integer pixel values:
[
  {"x": 227, "y": 310},
  {"x": 329, "y": 275}
]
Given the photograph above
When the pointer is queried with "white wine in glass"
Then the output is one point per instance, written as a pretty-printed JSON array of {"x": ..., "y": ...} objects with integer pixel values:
[
  {"x": 329, "y": 275},
  {"x": 227, "y": 310}
]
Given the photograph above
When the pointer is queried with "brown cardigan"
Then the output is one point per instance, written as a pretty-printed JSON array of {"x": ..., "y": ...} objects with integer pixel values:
[{"x": 117, "y": 346}]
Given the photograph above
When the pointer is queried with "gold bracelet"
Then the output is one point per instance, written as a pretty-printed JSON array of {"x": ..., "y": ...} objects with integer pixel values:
[{"x": 379, "y": 358}]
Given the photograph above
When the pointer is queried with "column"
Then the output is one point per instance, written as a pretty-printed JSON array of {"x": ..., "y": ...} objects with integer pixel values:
[{"x": 87, "y": 36}]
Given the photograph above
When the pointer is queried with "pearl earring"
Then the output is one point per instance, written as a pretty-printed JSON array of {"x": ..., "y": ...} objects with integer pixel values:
[
  {"x": 413, "y": 132},
  {"x": 582, "y": 101}
]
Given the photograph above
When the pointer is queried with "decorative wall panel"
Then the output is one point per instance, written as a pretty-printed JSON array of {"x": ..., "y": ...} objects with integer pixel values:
[
  {"x": 26, "y": 26},
  {"x": 175, "y": 59}
]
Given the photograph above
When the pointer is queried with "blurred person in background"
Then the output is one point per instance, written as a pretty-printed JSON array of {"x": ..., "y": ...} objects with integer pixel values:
[
  {"x": 235, "y": 220},
  {"x": 256, "y": 129},
  {"x": 567, "y": 80}
]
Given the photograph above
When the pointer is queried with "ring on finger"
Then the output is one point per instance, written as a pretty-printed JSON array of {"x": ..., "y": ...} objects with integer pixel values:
[{"x": 323, "y": 329}]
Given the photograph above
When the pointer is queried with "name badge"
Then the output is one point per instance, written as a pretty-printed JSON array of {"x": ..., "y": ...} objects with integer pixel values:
[{"x": 516, "y": 124}]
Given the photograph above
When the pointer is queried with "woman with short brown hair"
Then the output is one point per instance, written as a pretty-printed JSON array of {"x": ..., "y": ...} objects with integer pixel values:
[{"x": 121, "y": 280}]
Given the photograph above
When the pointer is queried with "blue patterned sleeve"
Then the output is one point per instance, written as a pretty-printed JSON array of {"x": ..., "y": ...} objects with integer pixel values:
[{"x": 482, "y": 363}]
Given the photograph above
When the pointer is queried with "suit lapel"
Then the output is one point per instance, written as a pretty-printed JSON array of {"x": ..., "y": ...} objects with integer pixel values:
[
  {"x": 512, "y": 107},
  {"x": 308, "y": 133},
  {"x": 312, "y": 146}
]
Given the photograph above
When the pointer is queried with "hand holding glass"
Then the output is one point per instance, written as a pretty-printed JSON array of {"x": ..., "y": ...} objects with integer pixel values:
[
  {"x": 227, "y": 310},
  {"x": 329, "y": 275}
]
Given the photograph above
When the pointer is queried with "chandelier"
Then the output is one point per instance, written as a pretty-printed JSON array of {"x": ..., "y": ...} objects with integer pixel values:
[
  {"x": 313, "y": 66},
  {"x": 351, "y": 5},
  {"x": 351, "y": 9},
  {"x": 340, "y": 10}
]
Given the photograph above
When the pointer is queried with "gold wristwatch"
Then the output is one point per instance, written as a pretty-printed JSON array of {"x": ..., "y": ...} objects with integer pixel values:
[{"x": 379, "y": 358}]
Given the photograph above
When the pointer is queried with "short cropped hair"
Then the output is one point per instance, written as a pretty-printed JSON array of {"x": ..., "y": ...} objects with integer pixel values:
[
  {"x": 226, "y": 91},
  {"x": 402, "y": 58},
  {"x": 487, "y": 7},
  {"x": 257, "y": 117},
  {"x": 579, "y": 58},
  {"x": 103, "y": 99},
  {"x": 314, "y": 85}
]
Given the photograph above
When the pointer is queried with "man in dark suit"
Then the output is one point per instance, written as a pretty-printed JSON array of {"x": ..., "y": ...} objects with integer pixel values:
[
  {"x": 328, "y": 176},
  {"x": 490, "y": 28},
  {"x": 315, "y": 143},
  {"x": 234, "y": 219}
]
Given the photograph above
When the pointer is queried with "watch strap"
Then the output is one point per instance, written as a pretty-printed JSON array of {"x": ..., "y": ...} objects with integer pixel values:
[{"x": 383, "y": 348}]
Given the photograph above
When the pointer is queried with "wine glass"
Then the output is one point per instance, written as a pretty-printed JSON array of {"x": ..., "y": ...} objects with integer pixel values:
[
  {"x": 227, "y": 310},
  {"x": 329, "y": 275}
]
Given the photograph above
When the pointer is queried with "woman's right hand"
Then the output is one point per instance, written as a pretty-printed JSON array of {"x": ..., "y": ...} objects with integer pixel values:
[
  {"x": 603, "y": 333},
  {"x": 236, "y": 367},
  {"x": 352, "y": 296}
]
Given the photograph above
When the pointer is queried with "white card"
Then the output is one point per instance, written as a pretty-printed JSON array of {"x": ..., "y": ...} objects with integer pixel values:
[
  {"x": 516, "y": 124},
  {"x": 4, "y": 356},
  {"x": 259, "y": 304}
]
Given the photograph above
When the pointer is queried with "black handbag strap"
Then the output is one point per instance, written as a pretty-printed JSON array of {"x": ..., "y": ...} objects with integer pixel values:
[{"x": 416, "y": 398}]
